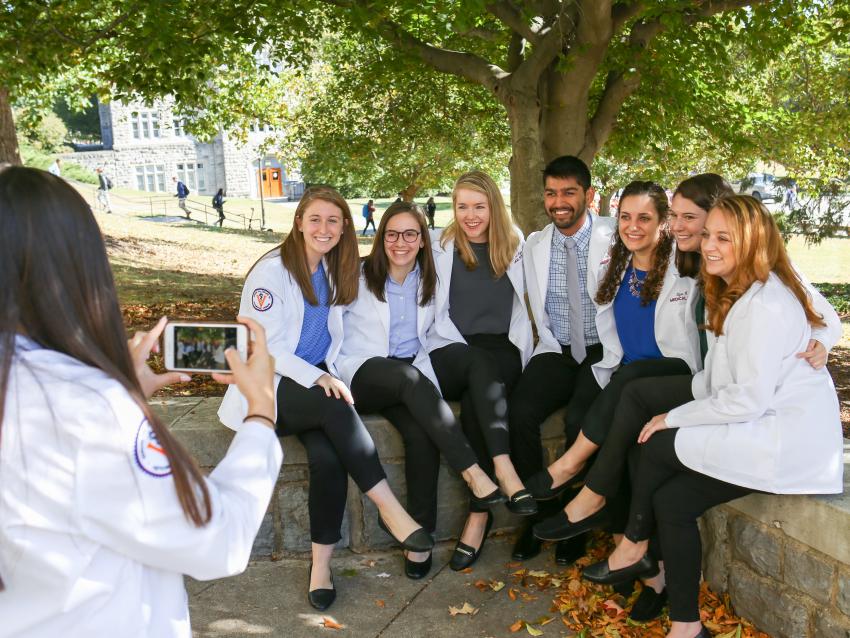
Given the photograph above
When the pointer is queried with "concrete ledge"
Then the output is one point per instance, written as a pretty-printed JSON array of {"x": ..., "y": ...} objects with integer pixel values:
[{"x": 286, "y": 527}]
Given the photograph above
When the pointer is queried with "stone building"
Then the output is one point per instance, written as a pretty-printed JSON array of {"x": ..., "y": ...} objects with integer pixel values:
[{"x": 144, "y": 146}]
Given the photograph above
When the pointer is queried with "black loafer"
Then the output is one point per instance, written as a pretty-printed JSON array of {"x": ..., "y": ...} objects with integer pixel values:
[
  {"x": 417, "y": 571},
  {"x": 319, "y": 599},
  {"x": 703, "y": 633},
  {"x": 601, "y": 573},
  {"x": 522, "y": 503},
  {"x": 569, "y": 551},
  {"x": 527, "y": 546},
  {"x": 464, "y": 556},
  {"x": 625, "y": 589},
  {"x": 418, "y": 541},
  {"x": 560, "y": 528},
  {"x": 493, "y": 498},
  {"x": 540, "y": 486},
  {"x": 648, "y": 605}
]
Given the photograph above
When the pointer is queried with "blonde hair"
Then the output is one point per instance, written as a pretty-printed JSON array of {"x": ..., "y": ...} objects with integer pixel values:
[
  {"x": 759, "y": 250},
  {"x": 501, "y": 235}
]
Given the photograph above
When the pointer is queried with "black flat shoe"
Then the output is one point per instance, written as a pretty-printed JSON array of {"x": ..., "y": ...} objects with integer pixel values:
[
  {"x": 483, "y": 502},
  {"x": 703, "y": 633},
  {"x": 540, "y": 486},
  {"x": 464, "y": 555},
  {"x": 418, "y": 541},
  {"x": 527, "y": 546},
  {"x": 560, "y": 528},
  {"x": 601, "y": 573},
  {"x": 569, "y": 551},
  {"x": 522, "y": 503},
  {"x": 319, "y": 599},
  {"x": 648, "y": 605},
  {"x": 625, "y": 589},
  {"x": 416, "y": 571}
]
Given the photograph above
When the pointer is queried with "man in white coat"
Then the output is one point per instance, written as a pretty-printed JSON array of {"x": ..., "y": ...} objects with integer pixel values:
[{"x": 560, "y": 286}]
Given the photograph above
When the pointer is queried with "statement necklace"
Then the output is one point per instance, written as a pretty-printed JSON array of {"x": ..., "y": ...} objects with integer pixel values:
[{"x": 635, "y": 284}]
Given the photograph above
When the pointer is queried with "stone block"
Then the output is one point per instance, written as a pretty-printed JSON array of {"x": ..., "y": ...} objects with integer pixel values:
[
  {"x": 808, "y": 572},
  {"x": 757, "y": 546},
  {"x": 264, "y": 544},
  {"x": 714, "y": 527},
  {"x": 829, "y": 625},
  {"x": 767, "y": 604},
  {"x": 203, "y": 434},
  {"x": 842, "y": 599},
  {"x": 294, "y": 519}
]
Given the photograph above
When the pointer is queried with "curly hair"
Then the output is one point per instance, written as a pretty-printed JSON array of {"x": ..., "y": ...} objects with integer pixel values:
[{"x": 620, "y": 254}]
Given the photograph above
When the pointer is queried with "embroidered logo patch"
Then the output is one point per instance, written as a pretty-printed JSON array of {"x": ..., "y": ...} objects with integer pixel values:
[
  {"x": 679, "y": 296},
  {"x": 261, "y": 299},
  {"x": 518, "y": 257},
  {"x": 150, "y": 456}
]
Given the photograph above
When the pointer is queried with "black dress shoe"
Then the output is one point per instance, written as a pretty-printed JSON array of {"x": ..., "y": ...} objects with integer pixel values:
[
  {"x": 320, "y": 599},
  {"x": 527, "y": 546},
  {"x": 522, "y": 503},
  {"x": 625, "y": 589},
  {"x": 464, "y": 555},
  {"x": 493, "y": 498},
  {"x": 569, "y": 551},
  {"x": 601, "y": 573},
  {"x": 416, "y": 570},
  {"x": 540, "y": 486},
  {"x": 560, "y": 528},
  {"x": 418, "y": 541},
  {"x": 648, "y": 605},
  {"x": 703, "y": 633}
]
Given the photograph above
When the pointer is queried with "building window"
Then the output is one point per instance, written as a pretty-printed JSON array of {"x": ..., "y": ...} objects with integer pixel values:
[
  {"x": 192, "y": 175},
  {"x": 151, "y": 177},
  {"x": 179, "y": 124},
  {"x": 145, "y": 124}
]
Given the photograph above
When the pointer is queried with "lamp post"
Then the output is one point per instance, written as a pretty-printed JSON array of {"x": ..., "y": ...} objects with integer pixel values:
[{"x": 262, "y": 202}]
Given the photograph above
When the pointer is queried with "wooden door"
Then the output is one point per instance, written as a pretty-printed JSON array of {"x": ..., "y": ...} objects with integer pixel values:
[{"x": 272, "y": 183}]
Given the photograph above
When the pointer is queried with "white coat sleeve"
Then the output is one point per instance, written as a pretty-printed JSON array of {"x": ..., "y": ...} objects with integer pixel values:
[
  {"x": 830, "y": 334},
  {"x": 130, "y": 505},
  {"x": 266, "y": 277},
  {"x": 754, "y": 355}
]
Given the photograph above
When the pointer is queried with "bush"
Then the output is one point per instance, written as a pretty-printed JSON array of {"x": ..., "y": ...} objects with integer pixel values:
[{"x": 36, "y": 158}]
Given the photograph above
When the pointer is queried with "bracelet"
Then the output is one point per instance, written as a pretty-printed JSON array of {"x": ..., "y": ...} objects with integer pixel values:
[{"x": 259, "y": 416}]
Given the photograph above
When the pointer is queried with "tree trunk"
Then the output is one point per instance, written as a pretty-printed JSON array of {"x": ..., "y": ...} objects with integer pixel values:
[
  {"x": 605, "y": 203},
  {"x": 8, "y": 138},
  {"x": 409, "y": 192},
  {"x": 526, "y": 163}
]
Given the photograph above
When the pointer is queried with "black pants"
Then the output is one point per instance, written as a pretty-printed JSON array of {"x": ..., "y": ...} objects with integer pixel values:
[
  {"x": 670, "y": 495},
  {"x": 408, "y": 399},
  {"x": 480, "y": 374},
  {"x": 366, "y": 227},
  {"x": 220, "y": 211},
  {"x": 337, "y": 445}
]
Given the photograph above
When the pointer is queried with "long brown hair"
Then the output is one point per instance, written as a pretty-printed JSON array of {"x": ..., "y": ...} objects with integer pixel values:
[
  {"x": 56, "y": 284},
  {"x": 376, "y": 264},
  {"x": 759, "y": 250},
  {"x": 501, "y": 235},
  {"x": 343, "y": 259},
  {"x": 703, "y": 190},
  {"x": 620, "y": 254}
]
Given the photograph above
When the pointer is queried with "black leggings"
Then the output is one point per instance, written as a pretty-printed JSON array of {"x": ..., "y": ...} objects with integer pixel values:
[
  {"x": 673, "y": 496},
  {"x": 408, "y": 399},
  {"x": 337, "y": 445},
  {"x": 480, "y": 374}
]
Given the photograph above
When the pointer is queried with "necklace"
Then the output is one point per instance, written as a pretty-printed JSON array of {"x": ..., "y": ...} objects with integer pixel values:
[{"x": 635, "y": 284}]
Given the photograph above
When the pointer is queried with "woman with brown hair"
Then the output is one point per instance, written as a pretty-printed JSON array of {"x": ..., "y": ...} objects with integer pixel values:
[
  {"x": 646, "y": 325},
  {"x": 480, "y": 341},
  {"x": 298, "y": 292},
  {"x": 385, "y": 362},
  {"x": 102, "y": 511},
  {"x": 762, "y": 419}
]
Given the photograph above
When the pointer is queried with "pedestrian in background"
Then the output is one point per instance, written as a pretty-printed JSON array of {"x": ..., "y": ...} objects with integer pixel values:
[
  {"x": 54, "y": 168},
  {"x": 368, "y": 215},
  {"x": 182, "y": 193},
  {"x": 104, "y": 186},
  {"x": 218, "y": 205},
  {"x": 430, "y": 211}
]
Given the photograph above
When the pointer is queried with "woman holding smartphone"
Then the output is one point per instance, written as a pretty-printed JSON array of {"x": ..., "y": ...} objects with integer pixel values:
[
  {"x": 481, "y": 339},
  {"x": 762, "y": 419},
  {"x": 102, "y": 511},
  {"x": 387, "y": 367},
  {"x": 297, "y": 292}
]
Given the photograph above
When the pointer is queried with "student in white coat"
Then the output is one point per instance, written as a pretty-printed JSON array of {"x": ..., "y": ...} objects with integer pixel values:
[
  {"x": 298, "y": 292},
  {"x": 762, "y": 418},
  {"x": 560, "y": 288},
  {"x": 387, "y": 367},
  {"x": 646, "y": 324},
  {"x": 481, "y": 338},
  {"x": 102, "y": 511}
]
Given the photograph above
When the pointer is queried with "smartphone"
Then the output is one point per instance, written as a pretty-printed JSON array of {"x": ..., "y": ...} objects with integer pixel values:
[{"x": 199, "y": 347}]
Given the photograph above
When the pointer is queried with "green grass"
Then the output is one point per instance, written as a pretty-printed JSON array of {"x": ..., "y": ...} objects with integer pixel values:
[{"x": 828, "y": 262}]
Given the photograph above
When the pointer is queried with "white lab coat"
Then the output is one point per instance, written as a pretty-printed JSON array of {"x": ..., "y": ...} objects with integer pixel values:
[
  {"x": 538, "y": 254},
  {"x": 93, "y": 541},
  {"x": 444, "y": 331},
  {"x": 282, "y": 318},
  {"x": 365, "y": 338},
  {"x": 762, "y": 418},
  {"x": 675, "y": 324}
]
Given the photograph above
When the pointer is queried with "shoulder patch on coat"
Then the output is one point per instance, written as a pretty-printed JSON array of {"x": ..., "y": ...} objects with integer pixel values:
[
  {"x": 261, "y": 299},
  {"x": 150, "y": 457}
]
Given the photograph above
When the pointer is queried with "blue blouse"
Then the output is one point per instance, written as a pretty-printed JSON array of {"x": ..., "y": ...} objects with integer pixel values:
[
  {"x": 635, "y": 323},
  {"x": 315, "y": 339},
  {"x": 402, "y": 299}
]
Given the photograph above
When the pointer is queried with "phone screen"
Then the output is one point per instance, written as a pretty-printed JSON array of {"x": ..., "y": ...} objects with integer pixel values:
[{"x": 202, "y": 347}]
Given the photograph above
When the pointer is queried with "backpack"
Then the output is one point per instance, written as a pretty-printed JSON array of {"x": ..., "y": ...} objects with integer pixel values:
[{"x": 108, "y": 184}]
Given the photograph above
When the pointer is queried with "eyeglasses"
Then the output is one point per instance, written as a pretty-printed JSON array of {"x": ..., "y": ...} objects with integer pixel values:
[{"x": 409, "y": 236}]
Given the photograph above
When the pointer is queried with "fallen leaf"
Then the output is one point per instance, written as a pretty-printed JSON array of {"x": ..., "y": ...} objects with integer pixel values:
[
  {"x": 465, "y": 609},
  {"x": 512, "y": 593},
  {"x": 538, "y": 573},
  {"x": 480, "y": 584},
  {"x": 383, "y": 575},
  {"x": 368, "y": 562},
  {"x": 611, "y": 606},
  {"x": 330, "y": 623},
  {"x": 544, "y": 620},
  {"x": 574, "y": 585},
  {"x": 497, "y": 585},
  {"x": 468, "y": 570},
  {"x": 349, "y": 572},
  {"x": 534, "y": 631},
  {"x": 513, "y": 565},
  {"x": 380, "y": 603},
  {"x": 516, "y": 626}
]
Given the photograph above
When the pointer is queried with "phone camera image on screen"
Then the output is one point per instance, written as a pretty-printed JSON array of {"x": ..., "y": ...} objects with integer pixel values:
[{"x": 202, "y": 348}]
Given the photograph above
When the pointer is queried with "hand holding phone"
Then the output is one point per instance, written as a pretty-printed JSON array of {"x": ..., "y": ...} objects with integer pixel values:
[{"x": 200, "y": 347}]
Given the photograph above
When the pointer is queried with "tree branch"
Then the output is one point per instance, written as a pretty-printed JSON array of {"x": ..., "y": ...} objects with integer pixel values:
[
  {"x": 508, "y": 14},
  {"x": 481, "y": 33},
  {"x": 548, "y": 47}
]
